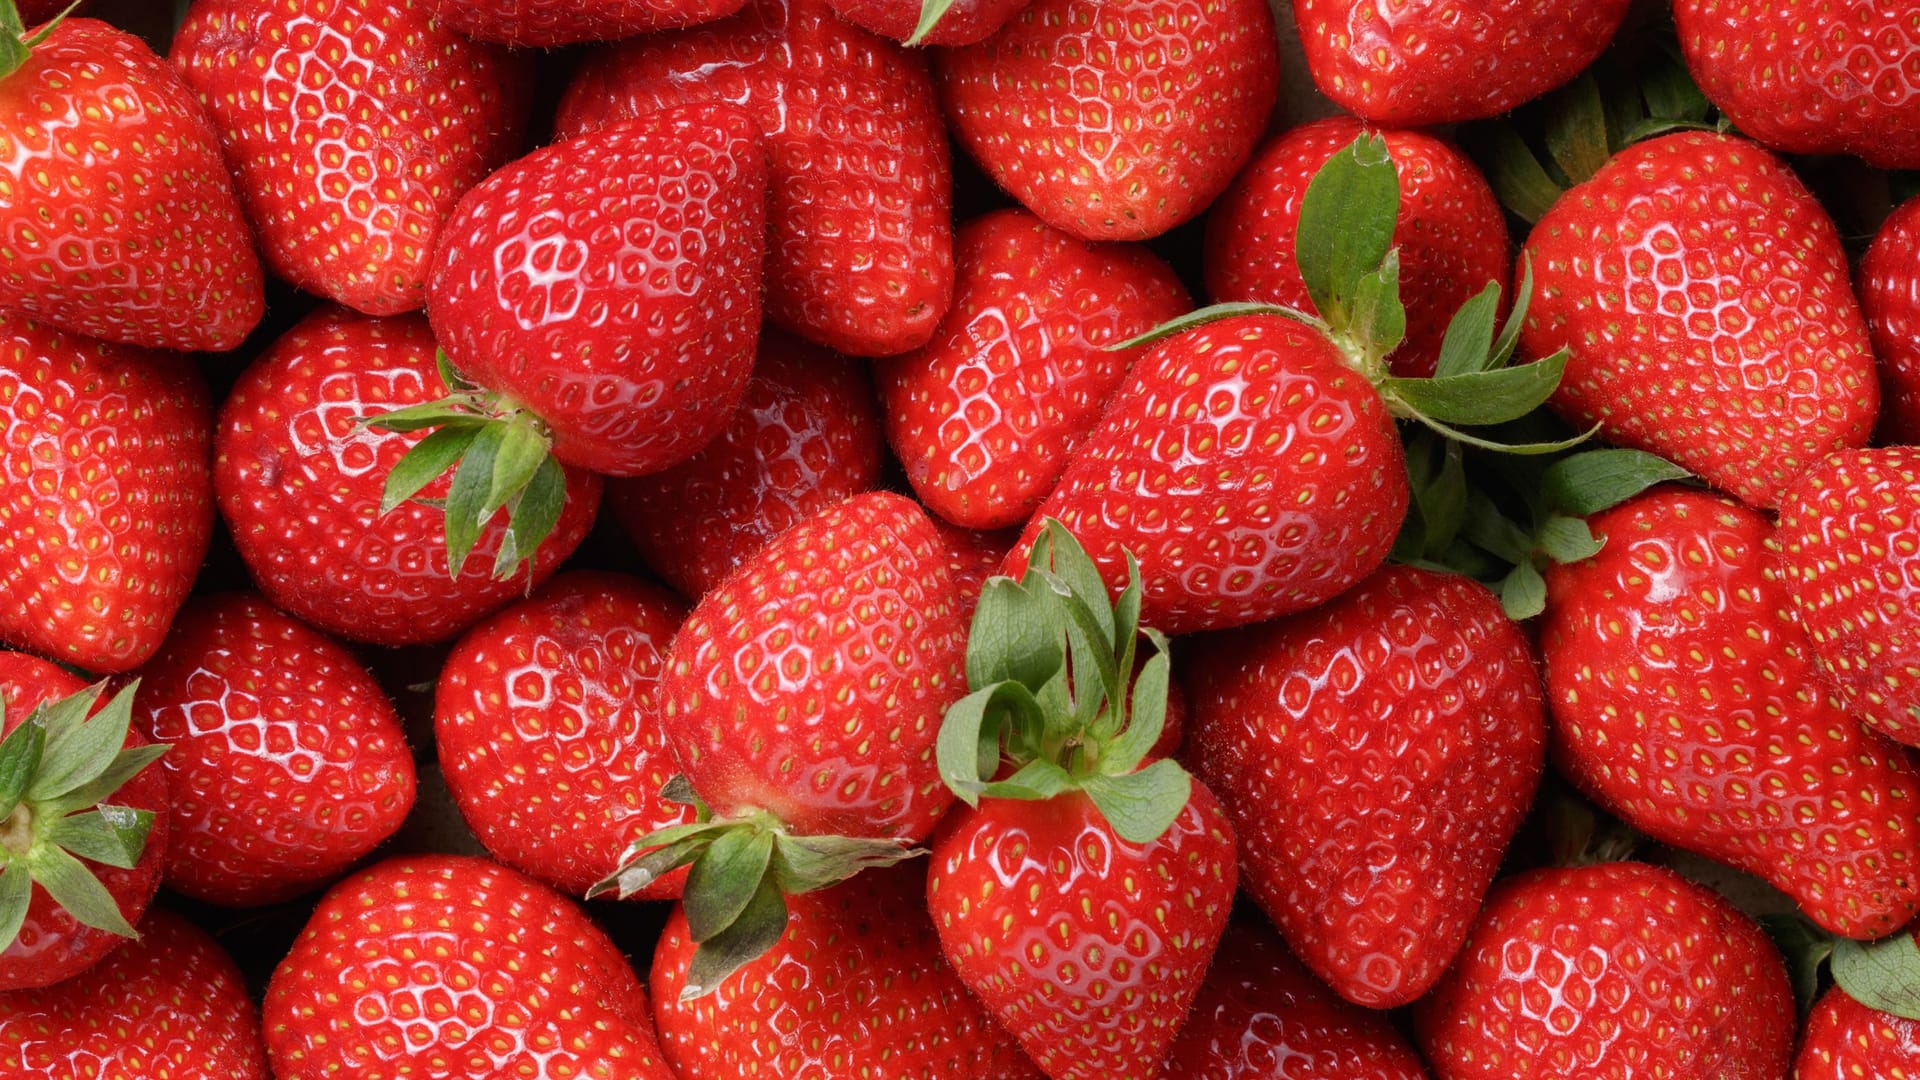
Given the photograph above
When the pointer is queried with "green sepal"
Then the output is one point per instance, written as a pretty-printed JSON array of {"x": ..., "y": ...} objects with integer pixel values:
[
  {"x": 74, "y": 888},
  {"x": 1468, "y": 345},
  {"x": 1523, "y": 594},
  {"x": 1036, "y": 780},
  {"x": 759, "y": 927},
  {"x": 20, "y": 754},
  {"x": 1480, "y": 398},
  {"x": 1577, "y": 136},
  {"x": 81, "y": 749},
  {"x": 125, "y": 766},
  {"x": 16, "y": 896},
  {"x": 679, "y": 790},
  {"x": 804, "y": 864},
  {"x": 110, "y": 835},
  {"x": 931, "y": 12},
  {"x": 967, "y": 748},
  {"x": 1215, "y": 313},
  {"x": 1566, "y": 539},
  {"x": 1437, "y": 480},
  {"x": 1016, "y": 635},
  {"x": 1347, "y": 218},
  {"x": 1587, "y": 483},
  {"x": 15, "y": 46},
  {"x": 1377, "y": 322},
  {"x": 724, "y": 879},
  {"x": 1075, "y": 570},
  {"x": 1509, "y": 339},
  {"x": 467, "y": 512},
  {"x": 1141, "y": 806},
  {"x": 1883, "y": 975},
  {"x": 425, "y": 462},
  {"x": 1806, "y": 948},
  {"x": 1130, "y": 746},
  {"x": 1515, "y": 173}
]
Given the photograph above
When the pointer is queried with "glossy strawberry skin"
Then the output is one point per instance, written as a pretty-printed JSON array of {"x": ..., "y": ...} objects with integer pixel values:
[
  {"x": 288, "y": 762},
  {"x": 966, "y": 22},
  {"x": 1610, "y": 972},
  {"x": 171, "y": 1004},
  {"x": 860, "y": 248},
  {"x": 1889, "y": 284},
  {"x": 1685, "y": 700},
  {"x": 299, "y": 482},
  {"x": 1845, "y": 1040},
  {"x": 1181, "y": 471},
  {"x": 547, "y": 721},
  {"x": 444, "y": 967},
  {"x": 397, "y": 117},
  {"x": 855, "y": 987},
  {"x": 986, "y": 416},
  {"x": 138, "y": 239},
  {"x": 1116, "y": 119},
  {"x": 547, "y": 23},
  {"x": 1376, "y": 755},
  {"x": 1452, "y": 235},
  {"x": 1088, "y": 948},
  {"x": 1704, "y": 295},
  {"x": 806, "y": 436},
  {"x": 106, "y": 494},
  {"x": 811, "y": 683}
]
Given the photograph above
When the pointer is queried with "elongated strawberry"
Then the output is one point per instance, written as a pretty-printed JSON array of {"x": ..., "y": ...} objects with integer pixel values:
[
  {"x": 106, "y": 497},
  {"x": 929, "y": 22},
  {"x": 569, "y": 22},
  {"x": 986, "y": 416},
  {"x": 1889, "y": 285},
  {"x": 1845, "y": 1040}
]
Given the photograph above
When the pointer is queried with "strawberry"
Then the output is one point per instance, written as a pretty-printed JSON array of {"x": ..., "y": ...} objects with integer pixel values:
[
  {"x": 1607, "y": 972},
  {"x": 443, "y": 967},
  {"x": 1116, "y": 119},
  {"x": 986, "y": 415},
  {"x": 299, "y": 482},
  {"x": 929, "y": 22},
  {"x": 973, "y": 557},
  {"x": 119, "y": 217},
  {"x": 333, "y": 215},
  {"x": 106, "y": 495},
  {"x": 546, "y": 23},
  {"x": 1845, "y": 1040},
  {"x": 1417, "y": 63},
  {"x": 170, "y": 1005},
  {"x": 1451, "y": 233},
  {"x": 1704, "y": 297},
  {"x": 547, "y": 718},
  {"x": 857, "y": 987},
  {"x": 1685, "y": 700},
  {"x": 860, "y": 247},
  {"x": 1889, "y": 284},
  {"x": 288, "y": 763},
  {"x": 806, "y": 436}
]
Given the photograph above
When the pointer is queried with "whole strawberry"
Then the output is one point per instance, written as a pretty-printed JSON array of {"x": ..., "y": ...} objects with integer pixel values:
[
  {"x": 1116, "y": 119},
  {"x": 1845, "y": 1040},
  {"x": 929, "y": 22},
  {"x": 106, "y": 496},
  {"x": 397, "y": 117},
  {"x": 546, "y": 23},
  {"x": 1889, "y": 284},
  {"x": 287, "y": 762},
  {"x": 119, "y": 217}
]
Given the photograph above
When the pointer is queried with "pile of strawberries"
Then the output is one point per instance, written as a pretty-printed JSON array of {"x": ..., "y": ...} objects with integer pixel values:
[{"x": 479, "y": 478}]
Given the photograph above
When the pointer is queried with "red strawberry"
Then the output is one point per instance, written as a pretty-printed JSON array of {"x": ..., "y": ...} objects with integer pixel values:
[
  {"x": 569, "y": 22},
  {"x": 860, "y": 248},
  {"x": 806, "y": 436},
  {"x": 119, "y": 218},
  {"x": 1845, "y": 1040},
  {"x": 106, "y": 496},
  {"x": 1608, "y": 972},
  {"x": 170, "y": 1005},
  {"x": 1116, "y": 119},
  {"x": 353, "y": 126},
  {"x": 1889, "y": 285},
  {"x": 1451, "y": 233},
  {"x": 299, "y": 481},
  {"x": 547, "y": 721},
  {"x": 973, "y": 557},
  {"x": 1705, "y": 298},
  {"x": 954, "y": 22},
  {"x": 1376, "y": 755},
  {"x": 1685, "y": 700},
  {"x": 1427, "y": 62},
  {"x": 288, "y": 763},
  {"x": 986, "y": 416},
  {"x": 442, "y": 967}
]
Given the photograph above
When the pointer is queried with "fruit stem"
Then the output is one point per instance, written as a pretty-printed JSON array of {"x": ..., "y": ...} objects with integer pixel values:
[{"x": 16, "y": 833}]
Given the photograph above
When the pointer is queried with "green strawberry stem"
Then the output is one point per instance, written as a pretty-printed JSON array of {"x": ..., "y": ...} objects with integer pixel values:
[
  {"x": 931, "y": 12},
  {"x": 15, "y": 46}
]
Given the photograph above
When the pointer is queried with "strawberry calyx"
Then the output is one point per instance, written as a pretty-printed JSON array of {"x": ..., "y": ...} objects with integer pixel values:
[
  {"x": 1882, "y": 975},
  {"x": 15, "y": 45},
  {"x": 931, "y": 12}
]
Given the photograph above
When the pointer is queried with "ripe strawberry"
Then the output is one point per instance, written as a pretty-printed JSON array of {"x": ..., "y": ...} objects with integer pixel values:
[
  {"x": 442, "y": 967},
  {"x": 1451, "y": 233},
  {"x": 170, "y": 1005},
  {"x": 972, "y": 558},
  {"x": 1889, "y": 285},
  {"x": 106, "y": 496},
  {"x": 546, "y": 23},
  {"x": 1845, "y": 1040},
  {"x": 353, "y": 126},
  {"x": 929, "y": 22},
  {"x": 1427, "y": 62},
  {"x": 288, "y": 763},
  {"x": 860, "y": 248},
  {"x": 1704, "y": 296},
  {"x": 857, "y": 987},
  {"x": 119, "y": 218},
  {"x": 1116, "y": 119},
  {"x": 1607, "y": 972},
  {"x": 299, "y": 483},
  {"x": 806, "y": 436},
  {"x": 547, "y": 718},
  {"x": 986, "y": 416},
  {"x": 1685, "y": 700}
]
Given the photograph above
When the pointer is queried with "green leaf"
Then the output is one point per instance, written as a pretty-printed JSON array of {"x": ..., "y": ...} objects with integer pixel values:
[
  {"x": 967, "y": 749},
  {"x": 426, "y": 461},
  {"x": 1587, "y": 483},
  {"x": 13, "y": 50},
  {"x": 803, "y": 864},
  {"x": 78, "y": 752},
  {"x": 1213, "y": 314},
  {"x": 126, "y": 765},
  {"x": 1127, "y": 750},
  {"x": 73, "y": 887},
  {"x": 468, "y": 497},
  {"x": 664, "y": 852},
  {"x": 523, "y": 449},
  {"x": 1072, "y": 565},
  {"x": 1577, "y": 129},
  {"x": 1347, "y": 218},
  {"x": 1509, "y": 339},
  {"x": 931, "y": 12},
  {"x": 759, "y": 927},
  {"x": 1378, "y": 320},
  {"x": 1523, "y": 185},
  {"x": 534, "y": 514},
  {"x": 1036, "y": 780},
  {"x": 19, "y": 758},
  {"x": 111, "y": 835},
  {"x": 444, "y": 412},
  {"x": 1480, "y": 398},
  {"x": 16, "y": 896},
  {"x": 1141, "y": 806},
  {"x": 1016, "y": 636},
  {"x": 1523, "y": 594},
  {"x": 1468, "y": 346},
  {"x": 450, "y": 376},
  {"x": 1566, "y": 539},
  {"x": 723, "y": 881},
  {"x": 1883, "y": 975}
]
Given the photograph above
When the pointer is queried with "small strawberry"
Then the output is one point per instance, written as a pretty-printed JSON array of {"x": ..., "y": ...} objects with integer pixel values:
[
  {"x": 118, "y": 215},
  {"x": 929, "y": 22},
  {"x": 353, "y": 126},
  {"x": 1889, "y": 284},
  {"x": 973, "y": 557},
  {"x": 547, "y": 23},
  {"x": 547, "y": 718},
  {"x": 1116, "y": 119},
  {"x": 288, "y": 763},
  {"x": 1845, "y": 1040},
  {"x": 106, "y": 494},
  {"x": 806, "y": 436},
  {"x": 443, "y": 967},
  {"x": 986, "y": 416}
]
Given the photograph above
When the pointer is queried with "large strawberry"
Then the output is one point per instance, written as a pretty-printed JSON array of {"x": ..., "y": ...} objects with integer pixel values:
[
  {"x": 860, "y": 245},
  {"x": 1889, "y": 285},
  {"x": 1704, "y": 297},
  {"x": 353, "y": 126},
  {"x": 300, "y": 483},
  {"x": 106, "y": 496},
  {"x": 570, "y": 22},
  {"x": 1116, "y": 119},
  {"x": 119, "y": 218},
  {"x": 287, "y": 762},
  {"x": 1845, "y": 1040},
  {"x": 929, "y": 22}
]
